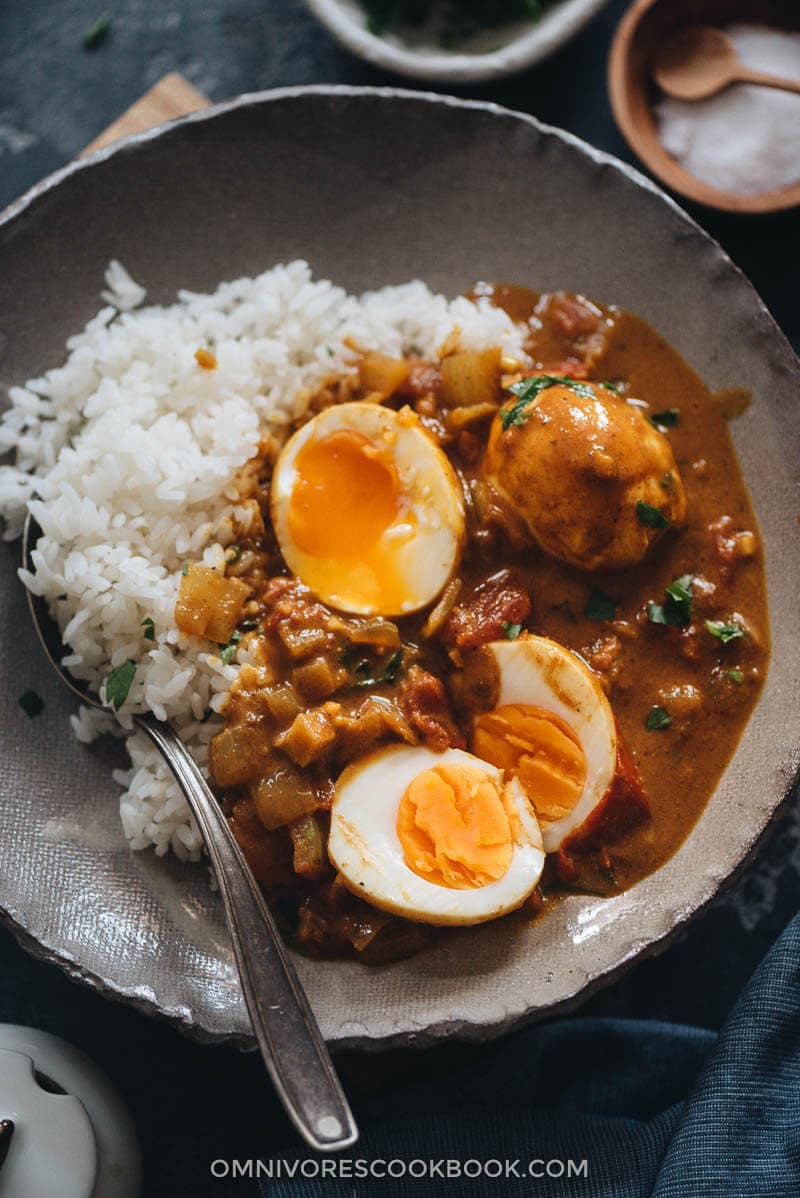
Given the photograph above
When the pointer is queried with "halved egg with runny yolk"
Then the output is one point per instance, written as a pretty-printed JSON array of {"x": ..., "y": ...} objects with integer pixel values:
[
  {"x": 367, "y": 510},
  {"x": 441, "y": 838},
  {"x": 553, "y": 729}
]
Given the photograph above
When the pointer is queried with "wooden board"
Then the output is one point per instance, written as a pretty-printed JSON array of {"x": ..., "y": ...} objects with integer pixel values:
[{"x": 172, "y": 96}]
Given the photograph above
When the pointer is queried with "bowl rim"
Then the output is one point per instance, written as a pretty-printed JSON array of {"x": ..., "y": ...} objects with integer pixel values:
[
  {"x": 782, "y": 355},
  {"x": 649, "y": 148},
  {"x": 544, "y": 38}
]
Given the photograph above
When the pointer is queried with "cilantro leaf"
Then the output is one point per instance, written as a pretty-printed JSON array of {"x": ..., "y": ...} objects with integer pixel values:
[
  {"x": 657, "y": 719},
  {"x": 363, "y": 670},
  {"x": 119, "y": 682},
  {"x": 650, "y": 516},
  {"x": 735, "y": 676},
  {"x": 526, "y": 391},
  {"x": 97, "y": 32},
  {"x": 227, "y": 651},
  {"x": 724, "y": 632},
  {"x": 666, "y": 419},
  {"x": 677, "y": 609},
  {"x": 511, "y": 631},
  {"x": 149, "y": 628},
  {"x": 32, "y": 704},
  {"x": 600, "y": 606}
]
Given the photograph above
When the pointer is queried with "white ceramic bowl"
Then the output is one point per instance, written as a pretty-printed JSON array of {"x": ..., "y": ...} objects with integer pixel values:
[{"x": 492, "y": 55}]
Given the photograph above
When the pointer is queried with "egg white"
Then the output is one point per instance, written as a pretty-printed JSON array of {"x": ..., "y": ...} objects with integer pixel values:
[
  {"x": 366, "y": 849},
  {"x": 539, "y": 672},
  {"x": 426, "y": 549}
]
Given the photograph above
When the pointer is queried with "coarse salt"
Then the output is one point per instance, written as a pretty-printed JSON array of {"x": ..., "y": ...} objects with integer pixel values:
[{"x": 747, "y": 138}]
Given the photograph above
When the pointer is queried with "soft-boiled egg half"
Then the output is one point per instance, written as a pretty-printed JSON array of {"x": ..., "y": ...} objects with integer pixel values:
[
  {"x": 440, "y": 838},
  {"x": 553, "y": 729},
  {"x": 367, "y": 510}
]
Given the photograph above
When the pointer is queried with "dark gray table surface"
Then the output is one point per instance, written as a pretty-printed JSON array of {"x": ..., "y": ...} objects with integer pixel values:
[{"x": 192, "y": 1103}]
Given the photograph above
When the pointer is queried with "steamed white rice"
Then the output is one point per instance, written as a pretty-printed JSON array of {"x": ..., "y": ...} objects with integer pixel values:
[{"x": 127, "y": 454}]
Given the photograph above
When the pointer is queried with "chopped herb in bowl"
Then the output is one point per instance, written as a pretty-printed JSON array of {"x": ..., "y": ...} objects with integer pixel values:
[{"x": 454, "y": 20}]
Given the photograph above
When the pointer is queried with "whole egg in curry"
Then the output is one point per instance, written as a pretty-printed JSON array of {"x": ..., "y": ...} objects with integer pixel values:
[
  {"x": 580, "y": 466},
  {"x": 500, "y": 625}
]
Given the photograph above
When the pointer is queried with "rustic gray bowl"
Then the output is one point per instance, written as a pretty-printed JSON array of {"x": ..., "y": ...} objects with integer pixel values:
[{"x": 371, "y": 187}]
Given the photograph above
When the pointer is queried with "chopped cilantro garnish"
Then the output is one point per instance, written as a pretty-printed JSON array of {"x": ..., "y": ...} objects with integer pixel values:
[
  {"x": 393, "y": 668},
  {"x": 227, "y": 651},
  {"x": 677, "y": 608},
  {"x": 724, "y": 632},
  {"x": 149, "y": 628},
  {"x": 364, "y": 674},
  {"x": 657, "y": 718},
  {"x": 185, "y": 569},
  {"x": 666, "y": 419},
  {"x": 32, "y": 704},
  {"x": 233, "y": 554},
  {"x": 98, "y": 32},
  {"x": 650, "y": 516},
  {"x": 599, "y": 605},
  {"x": 615, "y": 387},
  {"x": 735, "y": 676},
  {"x": 511, "y": 631},
  {"x": 119, "y": 682},
  {"x": 526, "y": 391}
]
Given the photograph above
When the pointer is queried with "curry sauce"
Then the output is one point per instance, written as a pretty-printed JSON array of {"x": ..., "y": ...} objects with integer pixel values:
[{"x": 320, "y": 688}]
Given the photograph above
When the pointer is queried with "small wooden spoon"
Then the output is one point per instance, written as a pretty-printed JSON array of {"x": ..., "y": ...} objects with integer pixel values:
[{"x": 697, "y": 61}]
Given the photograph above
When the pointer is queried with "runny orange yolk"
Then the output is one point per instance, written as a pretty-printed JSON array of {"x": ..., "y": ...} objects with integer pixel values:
[
  {"x": 540, "y": 749},
  {"x": 457, "y": 827},
  {"x": 346, "y": 496}
]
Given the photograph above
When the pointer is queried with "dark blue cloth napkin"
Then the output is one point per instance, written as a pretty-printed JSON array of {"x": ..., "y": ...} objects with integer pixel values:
[{"x": 595, "y": 1107}]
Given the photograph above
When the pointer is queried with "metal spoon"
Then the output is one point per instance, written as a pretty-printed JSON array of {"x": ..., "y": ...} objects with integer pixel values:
[
  {"x": 284, "y": 1025},
  {"x": 697, "y": 61}
]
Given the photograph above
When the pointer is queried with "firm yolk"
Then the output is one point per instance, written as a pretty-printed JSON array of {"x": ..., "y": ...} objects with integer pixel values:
[
  {"x": 346, "y": 497},
  {"x": 538, "y": 748},
  {"x": 456, "y": 827}
]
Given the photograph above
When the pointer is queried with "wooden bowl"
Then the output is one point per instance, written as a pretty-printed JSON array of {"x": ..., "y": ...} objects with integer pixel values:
[{"x": 633, "y": 92}]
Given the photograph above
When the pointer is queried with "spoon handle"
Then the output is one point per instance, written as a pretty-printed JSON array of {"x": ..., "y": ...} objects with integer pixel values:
[
  {"x": 758, "y": 77},
  {"x": 287, "y": 1033}
]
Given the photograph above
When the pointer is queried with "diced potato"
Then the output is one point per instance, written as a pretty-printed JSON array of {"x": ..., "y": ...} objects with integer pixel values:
[
  {"x": 283, "y": 795},
  {"x": 381, "y": 376},
  {"x": 373, "y": 630},
  {"x": 308, "y": 737},
  {"x": 209, "y": 604},
  {"x": 282, "y": 704},
  {"x": 301, "y": 642},
  {"x": 463, "y": 417},
  {"x": 317, "y": 678},
  {"x": 239, "y": 754},
  {"x": 470, "y": 377},
  {"x": 268, "y": 854},
  {"x": 376, "y": 719},
  {"x": 309, "y": 846}
]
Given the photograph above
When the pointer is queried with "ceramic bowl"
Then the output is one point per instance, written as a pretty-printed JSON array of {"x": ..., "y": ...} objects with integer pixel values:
[
  {"x": 633, "y": 93},
  {"x": 491, "y": 55},
  {"x": 371, "y": 187}
]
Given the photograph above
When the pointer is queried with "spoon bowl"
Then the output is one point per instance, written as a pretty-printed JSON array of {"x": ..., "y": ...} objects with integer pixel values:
[
  {"x": 698, "y": 61},
  {"x": 283, "y": 1023}
]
